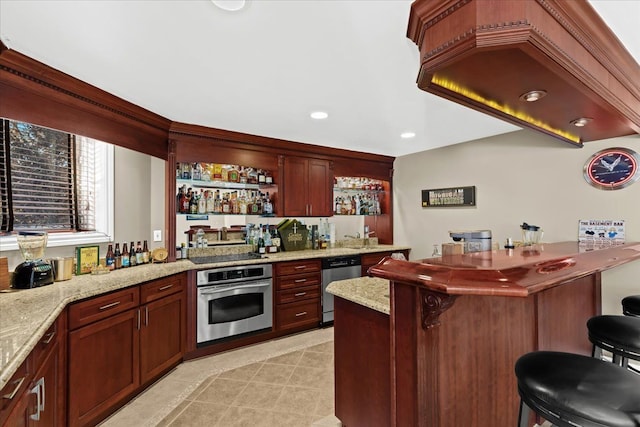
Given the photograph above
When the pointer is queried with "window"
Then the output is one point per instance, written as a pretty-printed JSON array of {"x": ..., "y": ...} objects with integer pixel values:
[{"x": 55, "y": 181}]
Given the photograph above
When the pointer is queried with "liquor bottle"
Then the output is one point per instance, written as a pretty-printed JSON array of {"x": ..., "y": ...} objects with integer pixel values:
[
  {"x": 139, "y": 256},
  {"x": 261, "y": 177},
  {"x": 268, "y": 179},
  {"x": 234, "y": 174},
  {"x": 145, "y": 253},
  {"x": 217, "y": 203},
  {"x": 202, "y": 203},
  {"x": 125, "y": 255},
  {"x": 109, "y": 258},
  {"x": 196, "y": 172},
  {"x": 117, "y": 256},
  {"x": 210, "y": 201},
  {"x": 267, "y": 206},
  {"x": 133, "y": 260},
  {"x": 193, "y": 203},
  {"x": 226, "y": 207}
]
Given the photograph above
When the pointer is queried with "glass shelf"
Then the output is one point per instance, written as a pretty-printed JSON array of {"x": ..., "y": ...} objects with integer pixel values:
[
  {"x": 221, "y": 184},
  {"x": 355, "y": 190}
]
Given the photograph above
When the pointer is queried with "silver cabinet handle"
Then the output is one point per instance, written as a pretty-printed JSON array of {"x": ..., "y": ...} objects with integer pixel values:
[
  {"x": 164, "y": 288},
  {"x": 301, "y": 314},
  {"x": 299, "y": 294},
  {"x": 49, "y": 337},
  {"x": 300, "y": 267},
  {"x": 113, "y": 304},
  {"x": 39, "y": 391},
  {"x": 15, "y": 390},
  {"x": 300, "y": 280}
]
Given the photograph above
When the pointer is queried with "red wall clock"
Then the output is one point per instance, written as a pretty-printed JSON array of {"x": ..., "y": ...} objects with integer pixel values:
[{"x": 612, "y": 168}]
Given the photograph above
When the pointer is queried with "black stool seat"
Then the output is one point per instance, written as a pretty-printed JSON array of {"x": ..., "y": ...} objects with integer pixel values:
[
  {"x": 631, "y": 305},
  {"x": 573, "y": 390},
  {"x": 618, "y": 334}
]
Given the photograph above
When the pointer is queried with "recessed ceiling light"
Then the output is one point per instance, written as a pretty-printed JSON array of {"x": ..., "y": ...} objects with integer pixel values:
[
  {"x": 581, "y": 122},
  {"x": 230, "y": 5},
  {"x": 319, "y": 115},
  {"x": 533, "y": 95},
  {"x": 407, "y": 135}
]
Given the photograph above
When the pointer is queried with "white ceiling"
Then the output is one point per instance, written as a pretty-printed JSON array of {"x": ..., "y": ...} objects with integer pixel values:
[{"x": 264, "y": 69}]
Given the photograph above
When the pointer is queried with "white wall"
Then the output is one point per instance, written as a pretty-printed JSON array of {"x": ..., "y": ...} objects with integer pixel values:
[{"x": 519, "y": 176}]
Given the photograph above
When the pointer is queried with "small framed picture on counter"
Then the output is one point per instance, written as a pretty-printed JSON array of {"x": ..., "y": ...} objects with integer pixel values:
[{"x": 87, "y": 257}]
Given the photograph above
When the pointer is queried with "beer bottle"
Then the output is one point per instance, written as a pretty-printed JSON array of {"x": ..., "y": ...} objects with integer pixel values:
[
  {"x": 139, "y": 256},
  {"x": 125, "y": 255},
  {"x": 145, "y": 253},
  {"x": 117, "y": 256},
  {"x": 133, "y": 259},
  {"x": 109, "y": 258}
]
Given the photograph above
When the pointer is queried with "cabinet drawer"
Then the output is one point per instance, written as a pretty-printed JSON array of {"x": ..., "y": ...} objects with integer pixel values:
[
  {"x": 161, "y": 288},
  {"x": 298, "y": 281},
  {"x": 297, "y": 314},
  {"x": 89, "y": 311},
  {"x": 297, "y": 267},
  {"x": 47, "y": 342},
  {"x": 298, "y": 294},
  {"x": 13, "y": 391}
]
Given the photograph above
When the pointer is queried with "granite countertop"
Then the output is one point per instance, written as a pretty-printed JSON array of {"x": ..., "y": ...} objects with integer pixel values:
[
  {"x": 371, "y": 292},
  {"x": 25, "y": 315}
]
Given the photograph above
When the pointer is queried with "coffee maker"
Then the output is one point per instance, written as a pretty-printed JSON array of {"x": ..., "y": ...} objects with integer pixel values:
[
  {"x": 474, "y": 240},
  {"x": 34, "y": 271}
]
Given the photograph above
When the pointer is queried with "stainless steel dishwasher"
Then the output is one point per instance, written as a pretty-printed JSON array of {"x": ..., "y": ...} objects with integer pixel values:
[{"x": 336, "y": 268}]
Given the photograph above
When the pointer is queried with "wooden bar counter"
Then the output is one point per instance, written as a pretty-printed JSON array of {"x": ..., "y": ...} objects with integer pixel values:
[{"x": 445, "y": 353}]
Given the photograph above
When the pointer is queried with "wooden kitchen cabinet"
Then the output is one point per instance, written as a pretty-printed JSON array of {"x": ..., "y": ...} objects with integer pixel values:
[
  {"x": 163, "y": 332},
  {"x": 297, "y": 301},
  {"x": 103, "y": 366},
  {"x": 122, "y": 341},
  {"x": 308, "y": 187},
  {"x": 35, "y": 394}
]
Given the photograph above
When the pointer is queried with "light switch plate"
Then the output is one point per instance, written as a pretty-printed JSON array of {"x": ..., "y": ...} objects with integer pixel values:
[{"x": 157, "y": 235}]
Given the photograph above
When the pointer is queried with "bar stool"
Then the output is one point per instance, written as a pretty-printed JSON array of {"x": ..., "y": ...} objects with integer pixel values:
[
  {"x": 618, "y": 334},
  {"x": 631, "y": 305},
  {"x": 571, "y": 390}
]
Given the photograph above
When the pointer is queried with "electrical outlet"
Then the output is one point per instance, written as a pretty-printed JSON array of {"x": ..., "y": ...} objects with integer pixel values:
[{"x": 157, "y": 235}]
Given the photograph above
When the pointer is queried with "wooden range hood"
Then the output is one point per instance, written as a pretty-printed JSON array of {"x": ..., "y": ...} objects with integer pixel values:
[{"x": 486, "y": 54}]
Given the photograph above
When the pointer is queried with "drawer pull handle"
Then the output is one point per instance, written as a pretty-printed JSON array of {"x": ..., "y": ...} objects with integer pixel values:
[
  {"x": 299, "y": 294},
  {"x": 300, "y": 280},
  {"x": 300, "y": 267},
  {"x": 301, "y": 314},
  {"x": 113, "y": 304},
  {"x": 49, "y": 337},
  {"x": 164, "y": 288},
  {"x": 15, "y": 390}
]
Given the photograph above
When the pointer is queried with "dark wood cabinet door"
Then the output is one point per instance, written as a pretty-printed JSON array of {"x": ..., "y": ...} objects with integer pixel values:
[
  {"x": 162, "y": 335},
  {"x": 320, "y": 193},
  {"x": 296, "y": 185},
  {"x": 21, "y": 412},
  {"x": 103, "y": 366},
  {"x": 50, "y": 378}
]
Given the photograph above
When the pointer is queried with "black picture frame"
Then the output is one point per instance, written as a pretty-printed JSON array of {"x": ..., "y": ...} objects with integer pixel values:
[{"x": 449, "y": 197}]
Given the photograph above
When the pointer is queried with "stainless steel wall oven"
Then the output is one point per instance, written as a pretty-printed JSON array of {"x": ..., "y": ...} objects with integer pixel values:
[{"x": 233, "y": 301}]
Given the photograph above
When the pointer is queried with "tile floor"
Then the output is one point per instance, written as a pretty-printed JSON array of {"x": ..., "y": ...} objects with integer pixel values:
[{"x": 283, "y": 382}]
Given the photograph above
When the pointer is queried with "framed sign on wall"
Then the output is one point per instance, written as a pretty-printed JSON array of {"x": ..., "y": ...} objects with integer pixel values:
[{"x": 449, "y": 197}]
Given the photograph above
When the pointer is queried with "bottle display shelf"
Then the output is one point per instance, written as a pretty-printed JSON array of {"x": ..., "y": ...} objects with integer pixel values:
[{"x": 221, "y": 184}]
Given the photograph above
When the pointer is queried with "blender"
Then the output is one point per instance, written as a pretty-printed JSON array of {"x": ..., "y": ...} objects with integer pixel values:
[{"x": 34, "y": 271}]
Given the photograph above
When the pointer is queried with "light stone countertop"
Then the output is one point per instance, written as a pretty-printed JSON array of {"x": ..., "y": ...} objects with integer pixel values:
[
  {"x": 371, "y": 292},
  {"x": 25, "y": 315}
]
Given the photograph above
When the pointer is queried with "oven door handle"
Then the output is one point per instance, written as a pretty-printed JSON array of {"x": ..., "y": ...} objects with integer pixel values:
[{"x": 206, "y": 291}]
